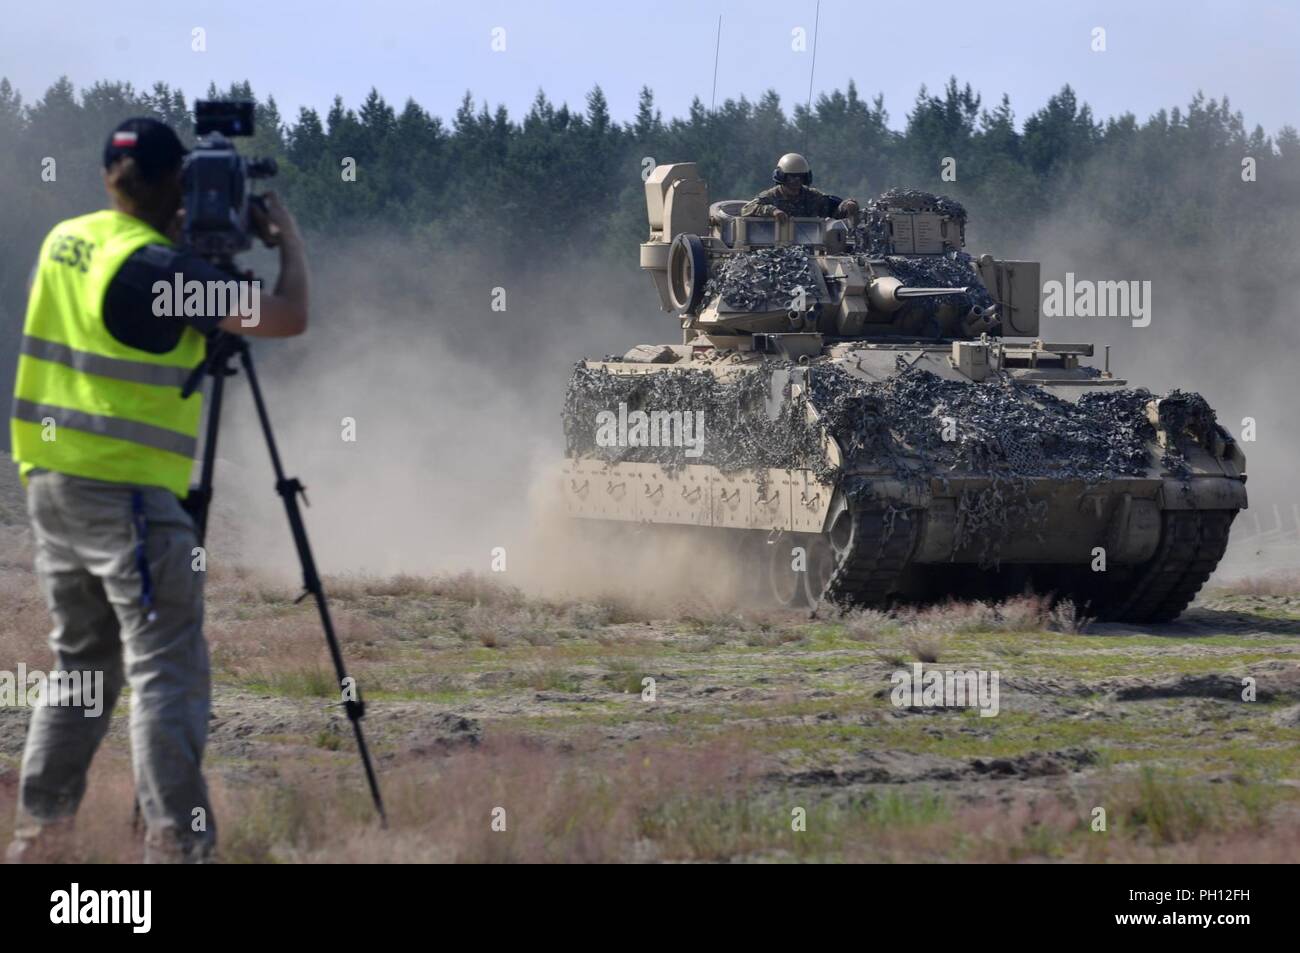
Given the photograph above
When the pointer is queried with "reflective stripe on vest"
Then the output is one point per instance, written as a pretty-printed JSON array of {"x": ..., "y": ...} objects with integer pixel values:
[
  {"x": 132, "y": 430},
  {"x": 136, "y": 372},
  {"x": 84, "y": 402}
]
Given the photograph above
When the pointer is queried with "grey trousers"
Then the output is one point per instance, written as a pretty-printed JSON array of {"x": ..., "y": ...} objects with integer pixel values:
[{"x": 86, "y": 537}]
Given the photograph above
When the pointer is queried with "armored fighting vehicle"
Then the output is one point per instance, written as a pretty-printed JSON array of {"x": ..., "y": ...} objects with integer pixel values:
[{"x": 870, "y": 413}]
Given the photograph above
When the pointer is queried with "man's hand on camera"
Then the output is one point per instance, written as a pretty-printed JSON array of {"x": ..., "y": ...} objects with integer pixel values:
[
  {"x": 283, "y": 312},
  {"x": 273, "y": 221}
]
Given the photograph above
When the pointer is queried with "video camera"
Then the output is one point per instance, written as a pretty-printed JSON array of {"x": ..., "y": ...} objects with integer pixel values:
[{"x": 215, "y": 180}]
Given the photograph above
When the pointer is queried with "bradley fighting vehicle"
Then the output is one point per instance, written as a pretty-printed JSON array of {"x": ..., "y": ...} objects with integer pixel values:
[{"x": 871, "y": 413}]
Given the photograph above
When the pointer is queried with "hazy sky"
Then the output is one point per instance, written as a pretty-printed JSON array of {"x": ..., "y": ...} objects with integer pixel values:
[{"x": 1159, "y": 52}]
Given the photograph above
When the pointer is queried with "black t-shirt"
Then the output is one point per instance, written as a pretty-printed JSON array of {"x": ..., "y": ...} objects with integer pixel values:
[{"x": 129, "y": 300}]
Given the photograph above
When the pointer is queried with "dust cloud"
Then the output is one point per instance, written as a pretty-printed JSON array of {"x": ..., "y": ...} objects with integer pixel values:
[
  {"x": 456, "y": 413},
  {"x": 456, "y": 406}
]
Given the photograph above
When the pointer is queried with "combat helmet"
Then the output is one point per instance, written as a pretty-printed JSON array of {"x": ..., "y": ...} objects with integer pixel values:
[{"x": 790, "y": 165}]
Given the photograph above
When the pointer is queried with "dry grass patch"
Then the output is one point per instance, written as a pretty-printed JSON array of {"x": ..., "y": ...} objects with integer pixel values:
[
  {"x": 289, "y": 655},
  {"x": 867, "y": 625},
  {"x": 512, "y": 799}
]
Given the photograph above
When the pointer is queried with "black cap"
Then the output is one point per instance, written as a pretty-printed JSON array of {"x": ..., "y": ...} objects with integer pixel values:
[{"x": 157, "y": 150}]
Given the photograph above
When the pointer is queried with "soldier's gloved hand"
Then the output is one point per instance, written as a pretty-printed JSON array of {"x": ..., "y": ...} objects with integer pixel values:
[
  {"x": 780, "y": 216},
  {"x": 848, "y": 208}
]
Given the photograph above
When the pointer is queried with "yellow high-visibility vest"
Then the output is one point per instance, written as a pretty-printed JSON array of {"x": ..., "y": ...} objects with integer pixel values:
[{"x": 85, "y": 403}]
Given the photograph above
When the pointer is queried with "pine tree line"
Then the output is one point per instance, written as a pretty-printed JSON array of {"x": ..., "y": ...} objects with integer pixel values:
[{"x": 569, "y": 180}]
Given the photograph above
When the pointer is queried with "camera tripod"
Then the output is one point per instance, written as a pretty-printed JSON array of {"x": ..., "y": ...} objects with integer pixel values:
[{"x": 223, "y": 349}]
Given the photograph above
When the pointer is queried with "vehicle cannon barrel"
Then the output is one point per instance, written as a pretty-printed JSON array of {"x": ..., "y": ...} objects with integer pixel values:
[{"x": 889, "y": 293}]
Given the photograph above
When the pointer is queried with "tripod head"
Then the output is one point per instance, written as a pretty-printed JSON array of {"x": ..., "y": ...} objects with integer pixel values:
[
  {"x": 222, "y": 345},
  {"x": 222, "y": 348}
]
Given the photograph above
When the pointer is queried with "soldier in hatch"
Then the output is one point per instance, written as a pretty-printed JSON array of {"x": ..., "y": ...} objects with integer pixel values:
[{"x": 793, "y": 194}]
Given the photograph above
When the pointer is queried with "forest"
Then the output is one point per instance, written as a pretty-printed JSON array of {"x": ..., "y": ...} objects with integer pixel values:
[{"x": 571, "y": 178}]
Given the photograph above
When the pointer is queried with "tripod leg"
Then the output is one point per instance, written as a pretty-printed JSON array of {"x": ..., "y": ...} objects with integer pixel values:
[
  {"x": 289, "y": 490},
  {"x": 200, "y": 497}
]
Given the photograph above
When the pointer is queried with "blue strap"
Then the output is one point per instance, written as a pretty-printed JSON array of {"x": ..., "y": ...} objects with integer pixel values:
[{"x": 141, "y": 556}]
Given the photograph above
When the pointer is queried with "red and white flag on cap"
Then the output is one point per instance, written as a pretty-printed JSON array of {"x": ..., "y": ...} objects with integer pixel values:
[{"x": 124, "y": 140}]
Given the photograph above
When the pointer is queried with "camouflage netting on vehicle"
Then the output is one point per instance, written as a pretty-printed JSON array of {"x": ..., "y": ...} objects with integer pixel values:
[
  {"x": 998, "y": 427},
  {"x": 737, "y": 431},
  {"x": 872, "y": 232},
  {"x": 1185, "y": 417},
  {"x": 922, "y": 426},
  {"x": 915, "y": 425},
  {"x": 918, "y": 200},
  {"x": 764, "y": 279}
]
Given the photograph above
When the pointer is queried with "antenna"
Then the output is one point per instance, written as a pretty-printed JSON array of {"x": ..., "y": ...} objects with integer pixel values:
[
  {"x": 717, "y": 49},
  {"x": 811, "y": 72}
]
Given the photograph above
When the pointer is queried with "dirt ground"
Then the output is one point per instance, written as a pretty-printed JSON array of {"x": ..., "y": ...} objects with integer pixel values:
[{"x": 604, "y": 730}]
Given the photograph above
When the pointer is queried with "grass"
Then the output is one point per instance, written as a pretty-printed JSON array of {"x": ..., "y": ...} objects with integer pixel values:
[
  {"x": 755, "y": 714},
  {"x": 1167, "y": 807},
  {"x": 313, "y": 682},
  {"x": 660, "y": 803}
]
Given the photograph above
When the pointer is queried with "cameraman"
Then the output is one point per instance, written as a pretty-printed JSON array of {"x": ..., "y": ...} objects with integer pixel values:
[{"x": 105, "y": 445}]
